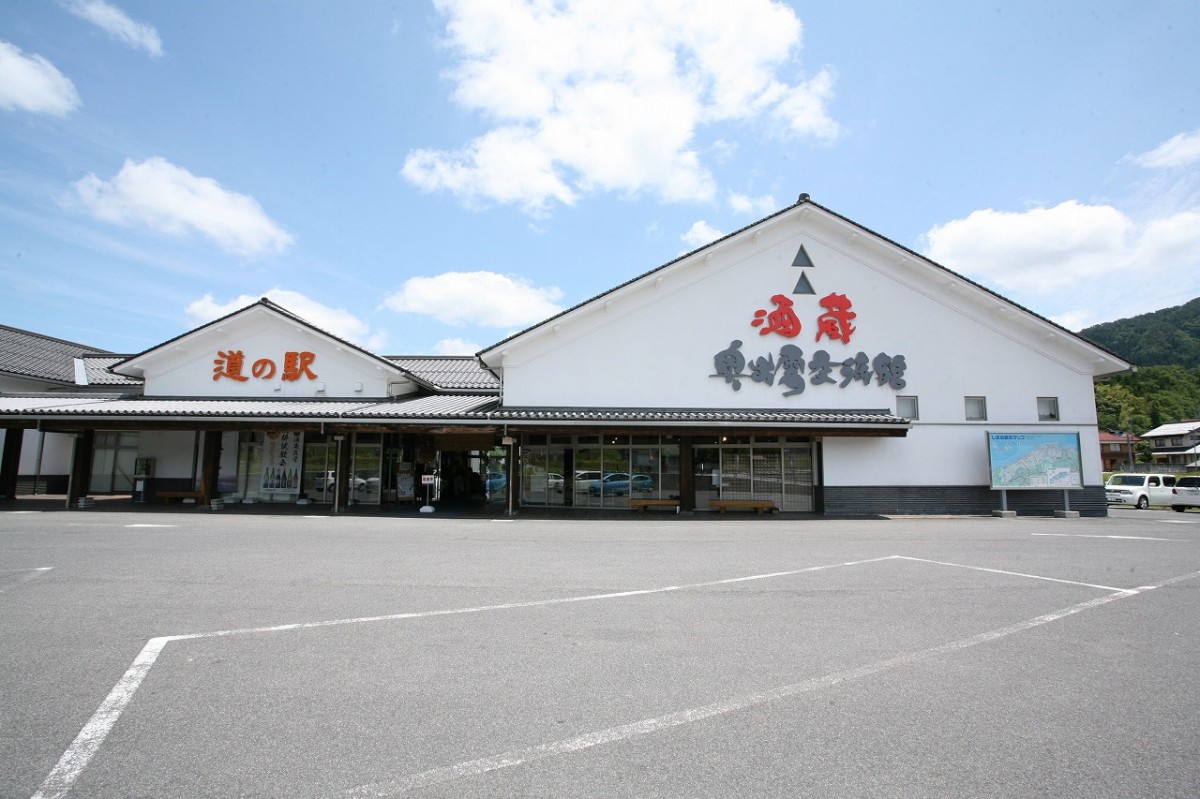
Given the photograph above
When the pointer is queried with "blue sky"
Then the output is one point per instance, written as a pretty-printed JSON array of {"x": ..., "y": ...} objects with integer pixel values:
[{"x": 429, "y": 177}]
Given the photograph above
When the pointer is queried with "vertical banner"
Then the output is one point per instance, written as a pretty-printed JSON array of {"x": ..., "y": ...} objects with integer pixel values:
[
  {"x": 282, "y": 460},
  {"x": 405, "y": 489}
]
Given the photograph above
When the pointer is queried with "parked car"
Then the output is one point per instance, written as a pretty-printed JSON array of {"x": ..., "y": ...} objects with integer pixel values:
[
  {"x": 495, "y": 483},
  {"x": 620, "y": 484},
  {"x": 1185, "y": 494},
  {"x": 1140, "y": 490},
  {"x": 324, "y": 482},
  {"x": 584, "y": 480}
]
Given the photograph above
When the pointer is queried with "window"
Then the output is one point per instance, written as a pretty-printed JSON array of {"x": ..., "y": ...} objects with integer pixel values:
[
  {"x": 906, "y": 407},
  {"x": 976, "y": 408},
  {"x": 1047, "y": 409}
]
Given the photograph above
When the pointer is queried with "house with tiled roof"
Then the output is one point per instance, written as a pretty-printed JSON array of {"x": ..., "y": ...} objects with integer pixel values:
[
  {"x": 1118, "y": 451},
  {"x": 804, "y": 364},
  {"x": 1176, "y": 446},
  {"x": 35, "y": 364}
]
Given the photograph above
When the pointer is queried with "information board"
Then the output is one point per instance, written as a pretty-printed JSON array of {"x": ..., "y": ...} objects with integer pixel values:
[{"x": 1035, "y": 460}]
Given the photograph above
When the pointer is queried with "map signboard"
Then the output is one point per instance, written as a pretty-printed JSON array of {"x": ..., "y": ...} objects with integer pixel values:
[{"x": 1035, "y": 460}]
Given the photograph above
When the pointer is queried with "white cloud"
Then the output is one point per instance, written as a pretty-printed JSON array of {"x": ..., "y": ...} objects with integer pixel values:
[
  {"x": 337, "y": 321},
  {"x": 117, "y": 24},
  {"x": 608, "y": 95},
  {"x": 744, "y": 204},
  {"x": 1084, "y": 263},
  {"x": 455, "y": 346},
  {"x": 699, "y": 234},
  {"x": 1180, "y": 150},
  {"x": 163, "y": 197},
  {"x": 31, "y": 83},
  {"x": 480, "y": 298}
]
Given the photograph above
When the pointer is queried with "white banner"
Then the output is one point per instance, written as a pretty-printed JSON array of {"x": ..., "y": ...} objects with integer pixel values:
[{"x": 283, "y": 455}]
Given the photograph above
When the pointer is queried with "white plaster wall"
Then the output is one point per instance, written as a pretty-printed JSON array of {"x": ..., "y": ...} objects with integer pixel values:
[
  {"x": 56, "y": 453},
  {"x": 949, "y": 455},
  {"x": 186, "y": 367},
  {"x": 654, "y": 343},
  {"x": 172, "y": 451}
]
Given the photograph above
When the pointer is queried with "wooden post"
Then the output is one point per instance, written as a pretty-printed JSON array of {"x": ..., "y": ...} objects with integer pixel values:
[
  {"x": 210, "y": 465},
  {"x": 10, "y": 462},
  {"x": 81, "y": 467}
]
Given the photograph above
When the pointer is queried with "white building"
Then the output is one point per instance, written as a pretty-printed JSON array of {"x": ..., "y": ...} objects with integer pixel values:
[
  {"x": 803, "y": 361},
  {"x": 1175, "y": 446}
]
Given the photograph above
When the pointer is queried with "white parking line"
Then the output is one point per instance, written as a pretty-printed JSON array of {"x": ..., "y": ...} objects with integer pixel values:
[
  {"x": 77, "y": 756},
  {"x": 89, "y": 739},
  {"x": 26, "y": 576},
  {"x": 1118, "y": 537},
  {"x": 1013, "y": 574},
  {"x": 519, "y": 757}
]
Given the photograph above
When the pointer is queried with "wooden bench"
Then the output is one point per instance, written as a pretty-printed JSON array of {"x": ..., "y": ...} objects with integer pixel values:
[
  {"x": 179, "y": 495},
  {"x": 642, "y": 504},
  {"x": 758, "y": 505}
]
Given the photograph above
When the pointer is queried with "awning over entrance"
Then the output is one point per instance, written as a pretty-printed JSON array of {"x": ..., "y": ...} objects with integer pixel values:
[{"x": 58, "y": 410}]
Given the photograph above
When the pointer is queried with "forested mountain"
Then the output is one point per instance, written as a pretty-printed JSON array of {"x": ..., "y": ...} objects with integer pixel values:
[
  {"x": 1170, "y": 337},
  {"x": 1165, "y": 347}
]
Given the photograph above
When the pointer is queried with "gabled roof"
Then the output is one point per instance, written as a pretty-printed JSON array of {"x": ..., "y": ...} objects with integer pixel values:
[
  {"x": 126, "y": 366},
  {"x": 1107, "y": 437},
  {"x": 96, "y": 371},
  {"x": 447, "y": 373},
  {"x": 38, "y": 357},
  {"x": 1173, "y": 429},
  {"x": 805, "y": 200}
]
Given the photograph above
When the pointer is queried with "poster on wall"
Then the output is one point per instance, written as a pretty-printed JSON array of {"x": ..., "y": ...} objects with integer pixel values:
[
  {"x": 282, "y": 461},
  {"x": 1035, "y": 460},
  {"x": 404, "y": 481}
]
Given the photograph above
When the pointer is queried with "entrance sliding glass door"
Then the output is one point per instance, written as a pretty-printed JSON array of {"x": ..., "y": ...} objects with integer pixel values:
[{"x": 744, "y": 468}]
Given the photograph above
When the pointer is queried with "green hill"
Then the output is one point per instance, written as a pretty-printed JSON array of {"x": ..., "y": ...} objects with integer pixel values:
[{"x": 1170, "y": 337}]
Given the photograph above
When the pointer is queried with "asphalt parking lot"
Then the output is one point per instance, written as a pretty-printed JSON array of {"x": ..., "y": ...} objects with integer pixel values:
[{"x": 170, "y": 654}]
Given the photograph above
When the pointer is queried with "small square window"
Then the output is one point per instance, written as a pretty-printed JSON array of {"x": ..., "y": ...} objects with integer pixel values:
[
  {"x": 1047, "y": 409},
  {"x": 976, "y": 408},
  {"x": 906, "y": 408}
]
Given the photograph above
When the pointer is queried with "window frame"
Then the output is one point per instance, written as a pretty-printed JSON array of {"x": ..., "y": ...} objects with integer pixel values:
[
  {"x": 1051, "y": 413},
  {"x": 981, "y": 402}
]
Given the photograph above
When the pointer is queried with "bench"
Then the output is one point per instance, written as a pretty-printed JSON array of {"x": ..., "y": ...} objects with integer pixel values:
[
  {"x": 179, "y": 495},
  {"x": 758, "y": 505},
  {"x": 642, "y": 504}
]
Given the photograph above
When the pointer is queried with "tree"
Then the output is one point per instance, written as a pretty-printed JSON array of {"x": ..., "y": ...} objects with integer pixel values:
[{"x": 1118, "y": 408}]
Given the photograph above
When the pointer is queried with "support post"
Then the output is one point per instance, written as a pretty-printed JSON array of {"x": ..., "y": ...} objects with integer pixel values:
[{"x": 10, "y": 462}]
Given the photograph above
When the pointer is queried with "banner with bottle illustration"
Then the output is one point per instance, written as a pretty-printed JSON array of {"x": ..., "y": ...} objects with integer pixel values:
[{"x": 282, "y": 463}]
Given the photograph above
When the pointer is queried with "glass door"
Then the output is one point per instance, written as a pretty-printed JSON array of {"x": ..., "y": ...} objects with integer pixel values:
[
  {"x": 320, "y": 459},
  {"x": 366, "y": 468},
  {"x": 798, "y": 478}
]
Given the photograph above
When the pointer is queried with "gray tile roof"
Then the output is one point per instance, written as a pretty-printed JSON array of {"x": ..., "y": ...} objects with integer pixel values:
[
  {"x": 701, "y": 416},
  {"x": 38, "y": 357},
  {"x": 95, "y": 369},
  {"x": 147, "y": 408},
  {"x": 448, "y": 373},
  {"x": 466, "y": 408}
]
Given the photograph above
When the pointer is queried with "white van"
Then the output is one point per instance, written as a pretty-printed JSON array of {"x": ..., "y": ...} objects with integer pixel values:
[{"x": 1139, "y": 490}]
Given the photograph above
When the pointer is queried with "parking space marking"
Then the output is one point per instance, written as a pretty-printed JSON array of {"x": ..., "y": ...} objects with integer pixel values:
[
  {"x": 81, "y": 750},
  {"x": 89, "y": 739},
  {"x": 519, "y": 757},
  {"x": 151, "y": 525},
  {"x": 1013, "y": 574},
  {"x": 24, "y": 576},
  {"x": 1118, "y": 537}
]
